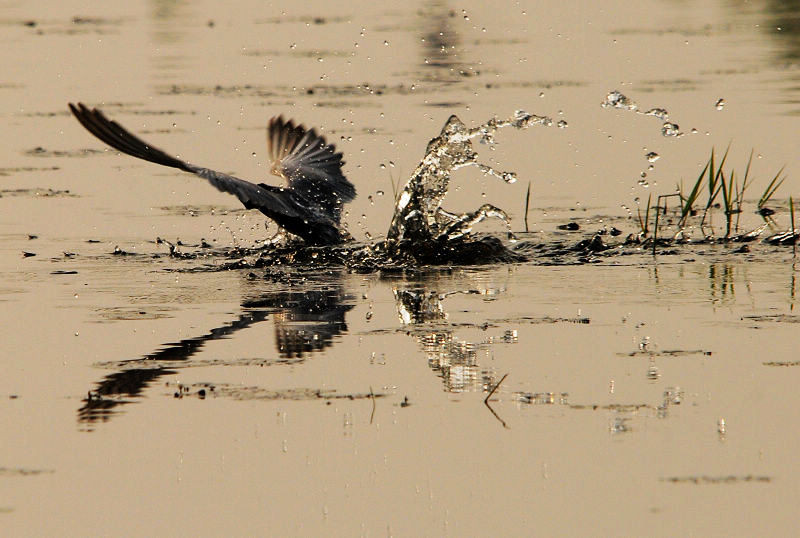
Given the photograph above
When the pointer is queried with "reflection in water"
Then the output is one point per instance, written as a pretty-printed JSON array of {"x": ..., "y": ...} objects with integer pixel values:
[
  {"x": 778, "y": 21},
  {"x": 169, "y": 19},
  {"x": 784, "y": 28},
  {"x": 306, "y": 321},
  {"x": 721, "y": 283},
  {"x": 441, "y": 50},
  {"x": 455, "y": 361}
]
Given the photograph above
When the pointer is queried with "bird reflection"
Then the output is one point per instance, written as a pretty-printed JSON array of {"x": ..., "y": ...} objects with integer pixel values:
[{"x": 306, "y": 321}]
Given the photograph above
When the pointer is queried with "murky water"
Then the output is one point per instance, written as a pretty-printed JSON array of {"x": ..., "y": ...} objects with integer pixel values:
[{"x": 163, "y": 374}]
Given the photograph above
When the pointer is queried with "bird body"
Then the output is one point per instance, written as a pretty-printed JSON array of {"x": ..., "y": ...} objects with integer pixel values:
[{"x": 308, "y": 206}]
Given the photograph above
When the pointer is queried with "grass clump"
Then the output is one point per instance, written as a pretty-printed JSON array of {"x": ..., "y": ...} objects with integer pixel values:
[{"x": 725, "y": 190}]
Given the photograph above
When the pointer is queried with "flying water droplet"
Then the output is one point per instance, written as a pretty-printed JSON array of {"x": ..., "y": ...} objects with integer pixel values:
[
  {"x": 671, "y": 129},
  {"x": 616, "y": 99},
  {"x": 660, "y": 113}
]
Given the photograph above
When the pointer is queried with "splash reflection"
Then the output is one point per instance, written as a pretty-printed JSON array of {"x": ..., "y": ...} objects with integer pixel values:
[{"x": 455, "y": 361}]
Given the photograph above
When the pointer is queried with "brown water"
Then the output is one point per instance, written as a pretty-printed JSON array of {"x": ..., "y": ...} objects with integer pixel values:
[{"x": 637, "y": 395}]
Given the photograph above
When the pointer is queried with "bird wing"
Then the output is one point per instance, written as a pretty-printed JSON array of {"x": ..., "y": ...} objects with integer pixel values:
[
  {"x": 115, "y": 135},
  {"x": 309, "y": 164}
]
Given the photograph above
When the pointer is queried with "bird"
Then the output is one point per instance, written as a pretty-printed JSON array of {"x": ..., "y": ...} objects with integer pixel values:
[{"x": 308, "y": 205}]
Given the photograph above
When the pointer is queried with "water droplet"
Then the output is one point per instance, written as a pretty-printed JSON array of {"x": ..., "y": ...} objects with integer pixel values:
[
  {"x": 720, "y": 104},
  {"x": 670, "y": 129},
  {"x": 379, "y": 193},
  {"x": 660, "y": 113},
  {"x": 652, "y": 156},
  {"x": 616, "y": 99},
  {"x": 386, "y": 43},
  {"x": 562, "y": 124}
]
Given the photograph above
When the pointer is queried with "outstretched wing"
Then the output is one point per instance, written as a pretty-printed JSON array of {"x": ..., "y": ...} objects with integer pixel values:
[
  {"x": 309, "y": 164},
  {"x": 251, "y": 195}
]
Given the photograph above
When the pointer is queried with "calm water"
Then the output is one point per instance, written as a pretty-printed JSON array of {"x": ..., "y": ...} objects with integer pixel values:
[{"x": 634, "y": 395}]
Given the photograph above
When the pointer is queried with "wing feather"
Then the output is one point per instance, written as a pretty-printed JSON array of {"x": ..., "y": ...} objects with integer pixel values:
[
  {"x": 309, "y": 164},
  {"x": 115, "y": 135}
]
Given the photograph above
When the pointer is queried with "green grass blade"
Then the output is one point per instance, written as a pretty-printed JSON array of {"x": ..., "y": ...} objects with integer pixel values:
[
  {"x": 689, "y": 201},
  {"x": 773, "y": 186}
]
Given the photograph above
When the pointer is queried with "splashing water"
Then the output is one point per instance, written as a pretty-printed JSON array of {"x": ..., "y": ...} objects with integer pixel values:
[
  {"x": 616, "y": 99},
  {"x": 418, "y": 215},
  {"x": 660, "y": 113},
  {"x": 421, "y": 231},
  {"x": 670, "y": 129}
]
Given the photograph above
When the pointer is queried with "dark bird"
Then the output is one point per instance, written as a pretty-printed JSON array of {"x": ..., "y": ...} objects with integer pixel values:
[{"x": 308, "y": 206}]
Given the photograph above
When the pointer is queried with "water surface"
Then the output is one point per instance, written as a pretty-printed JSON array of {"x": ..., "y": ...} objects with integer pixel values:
[{"x": 637, "y": 395}]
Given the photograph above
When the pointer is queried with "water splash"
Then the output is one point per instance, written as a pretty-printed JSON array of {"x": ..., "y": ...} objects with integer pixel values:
[
  {"x": 419, "y": 216},
  {"x": 617, "y": 99},
  {"x": 660, "y": 113},
  {"x": 670, "y": 129}
]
